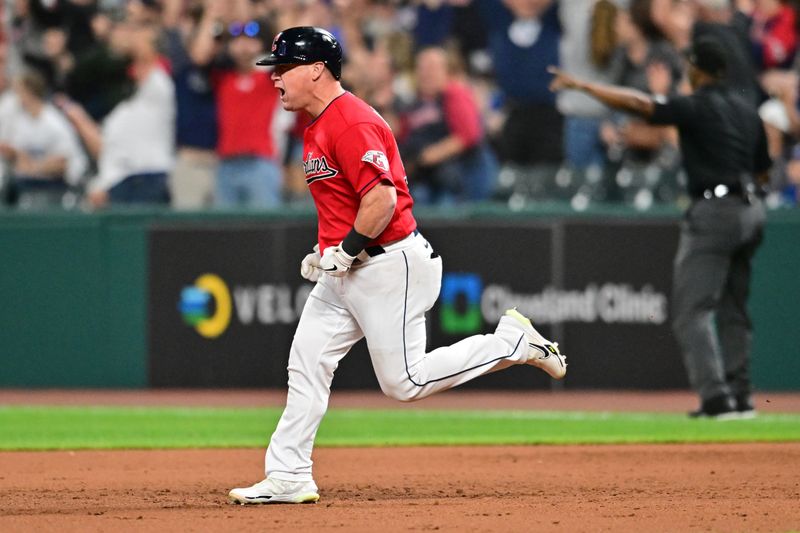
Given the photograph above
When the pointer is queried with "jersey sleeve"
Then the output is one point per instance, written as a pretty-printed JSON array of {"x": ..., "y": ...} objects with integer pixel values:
[
  {"x": 361, "y": 152},
  {"x": 677, "y": 111}
]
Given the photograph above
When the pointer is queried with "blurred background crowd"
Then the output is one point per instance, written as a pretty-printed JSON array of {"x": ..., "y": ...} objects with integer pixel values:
[{"x": 120, "y": 102}]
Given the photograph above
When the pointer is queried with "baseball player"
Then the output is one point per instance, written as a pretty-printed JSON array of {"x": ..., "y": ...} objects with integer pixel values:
[{"x": 375, "y": 274}]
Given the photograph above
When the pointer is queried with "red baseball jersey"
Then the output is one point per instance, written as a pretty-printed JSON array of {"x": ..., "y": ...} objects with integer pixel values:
[{"x": 348, "y": 150}]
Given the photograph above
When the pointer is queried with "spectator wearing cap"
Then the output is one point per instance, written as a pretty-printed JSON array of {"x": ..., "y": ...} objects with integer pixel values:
[
  {"x": 249, "y": 173},
  {"x": 725, "y": 154}
]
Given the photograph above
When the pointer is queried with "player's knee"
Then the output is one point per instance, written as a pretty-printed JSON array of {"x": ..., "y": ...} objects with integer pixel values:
[
  {"x": 401, "y": 390},
  {"x": 403, "y": 396}
]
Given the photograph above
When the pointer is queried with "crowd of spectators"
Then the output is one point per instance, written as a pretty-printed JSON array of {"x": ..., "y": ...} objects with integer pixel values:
[{"x": 113, "y": 102}]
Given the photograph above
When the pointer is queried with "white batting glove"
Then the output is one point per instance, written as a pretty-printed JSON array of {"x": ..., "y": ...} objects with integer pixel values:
[
  {"x": 335, "y": 261},
  {"x": 309, "y": 266}
]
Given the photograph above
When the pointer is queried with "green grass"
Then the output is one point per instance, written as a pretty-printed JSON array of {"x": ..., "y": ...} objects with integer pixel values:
[{"x": 43, "y": 428}]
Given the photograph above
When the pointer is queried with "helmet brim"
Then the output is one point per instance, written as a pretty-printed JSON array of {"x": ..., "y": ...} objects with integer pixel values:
[
  {"x": 268, "y": 61},
  {"x": 278, "y": 60}
]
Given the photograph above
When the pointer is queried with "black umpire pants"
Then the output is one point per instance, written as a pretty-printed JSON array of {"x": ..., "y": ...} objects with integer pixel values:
[{"x": 711, "y": 284}]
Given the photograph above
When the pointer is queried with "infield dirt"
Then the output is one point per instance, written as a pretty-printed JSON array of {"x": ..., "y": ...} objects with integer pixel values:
[{"x": 732, "y": 487}]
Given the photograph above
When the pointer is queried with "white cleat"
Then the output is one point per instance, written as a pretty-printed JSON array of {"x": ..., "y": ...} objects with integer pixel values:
[
  {"x": 275, "y": 491},
  {"x": 543, "y": 353}
]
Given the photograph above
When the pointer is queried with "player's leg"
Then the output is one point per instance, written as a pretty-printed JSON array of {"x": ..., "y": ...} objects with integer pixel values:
[
  {"x": 408, "y": 282},
  {"x": 324, "y": 335}
]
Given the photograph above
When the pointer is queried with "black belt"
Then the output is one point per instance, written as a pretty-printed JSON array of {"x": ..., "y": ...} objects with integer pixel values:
[
  {"x": 722, "y": 190},
  {"x": 377, "y": 249}
]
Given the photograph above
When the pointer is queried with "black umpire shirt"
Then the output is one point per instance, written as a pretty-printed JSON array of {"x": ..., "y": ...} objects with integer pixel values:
[
  {"x": 734, "y": 37},
  {"x": 722, "y": 138}
]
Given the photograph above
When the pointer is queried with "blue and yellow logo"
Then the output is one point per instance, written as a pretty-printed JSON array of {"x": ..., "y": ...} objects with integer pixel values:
[
  {"x": 461, "y": 303},
  {"x": 207, "y": 306}
]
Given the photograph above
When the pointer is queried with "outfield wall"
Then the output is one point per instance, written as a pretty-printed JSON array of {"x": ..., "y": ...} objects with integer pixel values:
[{"x": 161, "y": 299}]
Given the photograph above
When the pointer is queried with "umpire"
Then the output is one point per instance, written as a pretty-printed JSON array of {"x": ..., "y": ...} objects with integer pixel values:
[{"x": 724, "y": 151}]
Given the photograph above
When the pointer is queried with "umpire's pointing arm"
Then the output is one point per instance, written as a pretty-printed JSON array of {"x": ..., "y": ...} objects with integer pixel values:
[{"x": 622, "y": 98}]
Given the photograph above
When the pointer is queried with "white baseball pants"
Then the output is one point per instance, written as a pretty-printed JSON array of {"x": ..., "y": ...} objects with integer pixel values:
[{"x": 384, "y": 299}]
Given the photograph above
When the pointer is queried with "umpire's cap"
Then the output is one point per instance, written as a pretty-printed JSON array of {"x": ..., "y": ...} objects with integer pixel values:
[
  {"x": 305, "y": 44},
  {"x": 708, "y": 55}
]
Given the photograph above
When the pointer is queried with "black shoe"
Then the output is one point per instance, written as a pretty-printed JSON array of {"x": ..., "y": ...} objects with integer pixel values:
[
  {"x": 718, "y": 407},
  {"x": 744, "y": 406}
]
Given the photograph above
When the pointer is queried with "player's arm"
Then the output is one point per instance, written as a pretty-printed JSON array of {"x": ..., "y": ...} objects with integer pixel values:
[
  {"x": 361, "y": 150},
  {"x": 621, "y": 98},
  {"x": 374, "y": 213}
]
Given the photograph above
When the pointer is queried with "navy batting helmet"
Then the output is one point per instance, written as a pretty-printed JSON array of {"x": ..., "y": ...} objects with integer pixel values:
[{"x": 306, "y": 44}]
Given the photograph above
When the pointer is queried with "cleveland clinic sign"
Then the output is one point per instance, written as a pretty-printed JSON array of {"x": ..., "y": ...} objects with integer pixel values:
[{"x": 611, "y": 303}]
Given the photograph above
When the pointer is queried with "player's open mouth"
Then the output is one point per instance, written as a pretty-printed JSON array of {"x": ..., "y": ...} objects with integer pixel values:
[{"x": 282, "y": 91}]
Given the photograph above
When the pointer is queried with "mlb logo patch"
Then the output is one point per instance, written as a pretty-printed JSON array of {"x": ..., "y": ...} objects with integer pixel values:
[{"x": 377, "y": 159}]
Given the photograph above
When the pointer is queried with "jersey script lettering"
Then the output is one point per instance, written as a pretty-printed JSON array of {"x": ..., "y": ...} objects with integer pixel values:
[{"x": 317, "y": 168}]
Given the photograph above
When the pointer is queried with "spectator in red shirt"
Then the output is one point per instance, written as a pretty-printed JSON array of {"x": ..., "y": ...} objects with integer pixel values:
[
  {"x": 774, "y": 34},
  {"x": 448, "y": 160},
  {"x": 249, "y": 174}
]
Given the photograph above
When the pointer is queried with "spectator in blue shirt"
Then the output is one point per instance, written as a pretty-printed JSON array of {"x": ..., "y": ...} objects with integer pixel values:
[
  {"x": 193, "y": 179},
  {"x": 523, "y": 40}
]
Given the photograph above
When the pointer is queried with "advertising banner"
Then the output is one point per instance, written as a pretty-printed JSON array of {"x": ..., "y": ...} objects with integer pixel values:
[
  {"x": 224, "y": 301},
  {"x": 223, "y": 304},
  {"x": 615, "y": 305}
]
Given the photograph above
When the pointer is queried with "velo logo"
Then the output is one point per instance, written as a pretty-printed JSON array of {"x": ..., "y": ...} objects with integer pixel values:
[
  {"x": 206, "y": 306},
  {"x": 460, "y": 311}
]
